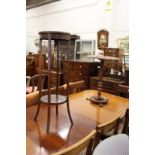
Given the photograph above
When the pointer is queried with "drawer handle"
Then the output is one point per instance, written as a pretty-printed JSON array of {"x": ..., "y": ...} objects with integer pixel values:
[
  {"x": 80, "y": 66},
  {"x": 80, "y": 74}
]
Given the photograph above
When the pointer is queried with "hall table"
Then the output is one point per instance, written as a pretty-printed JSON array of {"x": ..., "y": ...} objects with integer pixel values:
[{"x": 85, "y": 115}]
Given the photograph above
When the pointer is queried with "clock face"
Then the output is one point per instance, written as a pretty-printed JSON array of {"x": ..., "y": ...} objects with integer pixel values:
[{"x": 102, "y": 39}]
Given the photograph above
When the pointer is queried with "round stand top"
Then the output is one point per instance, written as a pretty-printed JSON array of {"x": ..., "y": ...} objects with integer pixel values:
[{"x": 54, "y": 35}]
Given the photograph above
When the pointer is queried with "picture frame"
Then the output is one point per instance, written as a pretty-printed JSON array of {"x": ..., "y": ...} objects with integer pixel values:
[{"x": 123, "y": 43}]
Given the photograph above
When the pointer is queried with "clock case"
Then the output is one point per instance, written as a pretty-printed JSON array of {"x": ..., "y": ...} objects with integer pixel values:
[{"x": 99, "y": 33}]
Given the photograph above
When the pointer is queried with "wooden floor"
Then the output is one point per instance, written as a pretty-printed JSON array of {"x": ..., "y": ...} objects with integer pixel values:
[
  {"x": 85, "y": 116},
  {"x": 61, "y": 135}
]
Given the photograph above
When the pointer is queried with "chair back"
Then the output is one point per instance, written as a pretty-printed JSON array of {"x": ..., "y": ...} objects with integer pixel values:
[
  {"x": 34, "y": 83},
  {"x": 84, "y": 144},
  {"x": 76, "y": 86},
  {"x": 104, "y": 129},
  {"x": 114, "y": 145},
  {"x": 126, "y": 123},
  {"x": 61, "y": 90},
  {"x": 29, "y": 61}
]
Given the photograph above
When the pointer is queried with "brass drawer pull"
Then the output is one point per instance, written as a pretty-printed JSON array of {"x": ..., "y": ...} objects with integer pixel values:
[
  {"x": 80, "y": 66},
  {"x": 80, "y": 74}
]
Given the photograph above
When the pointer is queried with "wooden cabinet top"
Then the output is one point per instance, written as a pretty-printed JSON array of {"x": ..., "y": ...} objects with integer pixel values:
[{"x": 83, "y": 61}]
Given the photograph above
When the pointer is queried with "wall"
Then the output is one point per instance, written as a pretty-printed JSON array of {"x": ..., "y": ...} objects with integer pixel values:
[
  {"x": 82, "y": 17},
  {"x": 120, "y": 20}
]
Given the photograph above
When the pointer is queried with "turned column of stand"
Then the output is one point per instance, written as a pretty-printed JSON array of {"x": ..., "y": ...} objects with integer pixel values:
[{"x": 99, "y": 99}]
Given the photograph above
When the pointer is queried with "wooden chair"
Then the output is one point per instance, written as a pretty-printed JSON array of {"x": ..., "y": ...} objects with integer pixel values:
[
  {"x": 123, "y": 90},
  {"x": 33, "y": 83},
  {"x": 108, "y": 129},
  {"x": 85, "y": 143},
  {"x": 76, "y": 86},
  {"x": 29, "y": 61},
  {"x": 126, "y": 123}
]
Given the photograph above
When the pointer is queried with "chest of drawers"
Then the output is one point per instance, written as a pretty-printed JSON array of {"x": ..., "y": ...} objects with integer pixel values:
[{"x": 80, "y": 70}]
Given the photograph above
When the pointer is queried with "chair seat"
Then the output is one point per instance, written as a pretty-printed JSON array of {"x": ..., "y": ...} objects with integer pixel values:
[
  {"x": 29, "y": 89},
  {"x": 115, "y": 145}
]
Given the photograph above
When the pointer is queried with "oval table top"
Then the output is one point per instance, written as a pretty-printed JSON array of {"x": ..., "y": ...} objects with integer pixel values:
[
  {"x": 85, "y": 115},
  {"x": 116, "y": 106}
]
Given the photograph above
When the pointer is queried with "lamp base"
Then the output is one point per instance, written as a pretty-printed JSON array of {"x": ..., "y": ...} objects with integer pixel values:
[{"x": 98, "y": 100}]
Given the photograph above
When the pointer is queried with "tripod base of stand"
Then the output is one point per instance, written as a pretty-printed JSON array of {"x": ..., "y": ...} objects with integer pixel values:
[{"x": 98, "y": 100}]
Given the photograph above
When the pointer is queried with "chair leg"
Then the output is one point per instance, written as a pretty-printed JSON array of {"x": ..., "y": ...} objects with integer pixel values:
[
  {"x": 48, "y": 118},
  {"x": 97, "y": 140},
  {"x": 90, "y": 148},
  {"x": 68, "y": 110},
  {"x": 37, "y": 112}
]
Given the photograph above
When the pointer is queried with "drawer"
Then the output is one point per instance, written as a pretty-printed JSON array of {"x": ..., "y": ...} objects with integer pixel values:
[
  {"x": 76, "y": 66},
  {"x": 93, "y": 82},
  {"x": 110, "y": 85},
  {"x": 75, "y": 77},
  {"x": 77, "y": 72},
  {"x": 80, "y": 66},
  {"x": 107, "y": 85}
]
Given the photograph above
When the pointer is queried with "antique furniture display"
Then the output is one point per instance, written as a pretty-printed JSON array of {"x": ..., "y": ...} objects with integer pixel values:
[
  {"x": 102, "y": 38},
  {"x": 84, "y": 48},
  {"x": 86, "y": 117},
  {"x": 80, "y": 70},
  {"x": 56, "y": 98}
]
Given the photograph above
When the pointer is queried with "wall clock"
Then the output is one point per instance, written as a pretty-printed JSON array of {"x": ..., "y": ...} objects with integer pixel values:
[{"x": 102, "y": 36}]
